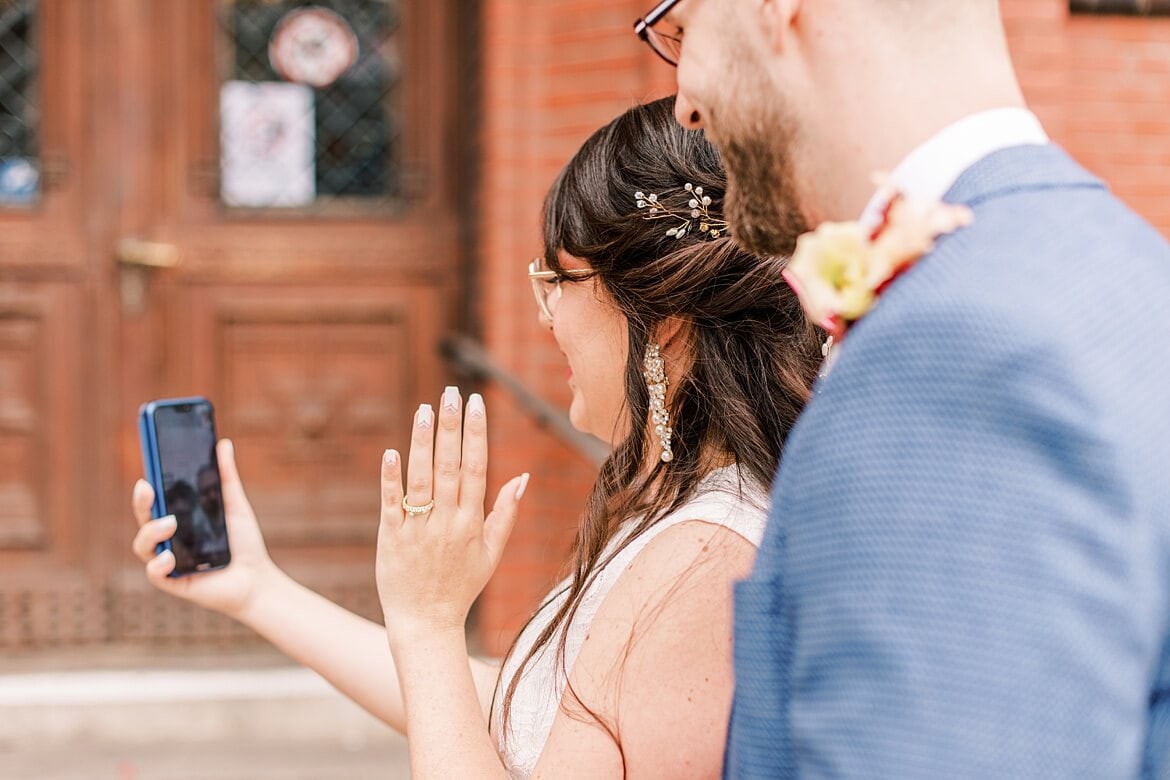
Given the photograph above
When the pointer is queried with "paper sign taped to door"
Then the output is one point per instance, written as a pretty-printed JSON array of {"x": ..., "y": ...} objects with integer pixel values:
[{"x": 267, "y": 144}]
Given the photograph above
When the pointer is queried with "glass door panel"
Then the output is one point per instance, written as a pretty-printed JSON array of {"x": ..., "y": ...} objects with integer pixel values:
[
  {"x": 309, "y": 106},
  {"x": 19, "y": 107}
]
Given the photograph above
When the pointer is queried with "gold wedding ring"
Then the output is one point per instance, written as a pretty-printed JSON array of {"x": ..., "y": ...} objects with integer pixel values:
[{"x": 411, "y": 509}]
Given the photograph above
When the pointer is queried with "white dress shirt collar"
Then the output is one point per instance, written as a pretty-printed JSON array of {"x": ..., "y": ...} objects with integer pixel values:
[{"x": 929, "y": 171}]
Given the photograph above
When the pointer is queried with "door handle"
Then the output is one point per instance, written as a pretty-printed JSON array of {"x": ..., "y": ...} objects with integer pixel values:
[
  {"x": 137, "y": 258},
  {"x": 146, "y": 254}
]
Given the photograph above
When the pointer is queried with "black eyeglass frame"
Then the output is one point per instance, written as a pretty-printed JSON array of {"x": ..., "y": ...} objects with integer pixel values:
[{"x": 642, "y": 28}]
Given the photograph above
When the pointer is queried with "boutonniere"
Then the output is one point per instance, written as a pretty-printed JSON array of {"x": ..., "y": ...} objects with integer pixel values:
[{"x": 839, "y": 270}]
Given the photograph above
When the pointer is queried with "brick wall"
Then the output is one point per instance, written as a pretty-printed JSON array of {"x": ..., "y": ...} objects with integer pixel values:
[
  {"x": 555, "y": 70},
  {"x": 1102, "y": 87}
]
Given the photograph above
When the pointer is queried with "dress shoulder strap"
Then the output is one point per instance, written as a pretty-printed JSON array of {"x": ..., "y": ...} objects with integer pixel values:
[{"x": 722, "y": 499}]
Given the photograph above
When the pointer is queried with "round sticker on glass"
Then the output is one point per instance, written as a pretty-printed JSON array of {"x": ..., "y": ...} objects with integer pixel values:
[{"x": 312, "y": 46}]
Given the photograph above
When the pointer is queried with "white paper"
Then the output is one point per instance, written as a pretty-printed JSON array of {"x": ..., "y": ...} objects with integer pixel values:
[{"x": 267, "y": 144}]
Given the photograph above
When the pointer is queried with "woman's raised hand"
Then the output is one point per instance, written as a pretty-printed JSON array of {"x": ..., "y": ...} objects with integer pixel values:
[
  {"x": 229, "y": 590},
  {"x": 436, "y": 550}
]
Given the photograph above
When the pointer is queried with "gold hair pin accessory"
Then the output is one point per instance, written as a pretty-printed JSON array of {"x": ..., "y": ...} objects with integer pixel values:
[{"x": 697, "y": 211}]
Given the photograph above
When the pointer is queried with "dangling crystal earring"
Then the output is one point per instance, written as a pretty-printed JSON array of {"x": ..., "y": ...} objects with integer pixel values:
[{"x": 656, "y": 383}]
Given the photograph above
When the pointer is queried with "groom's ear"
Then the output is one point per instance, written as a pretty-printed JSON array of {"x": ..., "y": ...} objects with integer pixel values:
[{"x": 776, "y": 18}]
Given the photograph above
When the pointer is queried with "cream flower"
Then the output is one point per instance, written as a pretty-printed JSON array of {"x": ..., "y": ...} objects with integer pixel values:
[
  {"x": 839, "y": 270},
  {"x": 830, "y": 272}
]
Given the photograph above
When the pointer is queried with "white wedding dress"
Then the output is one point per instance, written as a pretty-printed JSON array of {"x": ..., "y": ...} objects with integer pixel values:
[{"x": 719, "y": 500}]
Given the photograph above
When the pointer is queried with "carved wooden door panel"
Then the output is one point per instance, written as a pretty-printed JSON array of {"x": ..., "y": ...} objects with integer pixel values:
[
  {"x": 247, "y": 199},
  {"x": 297, "y": 167},
  {"x": 50, "y": 342}
]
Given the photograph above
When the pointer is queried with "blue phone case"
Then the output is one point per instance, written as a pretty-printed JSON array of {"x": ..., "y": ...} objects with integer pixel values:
[{"x": 152, "y": 460}]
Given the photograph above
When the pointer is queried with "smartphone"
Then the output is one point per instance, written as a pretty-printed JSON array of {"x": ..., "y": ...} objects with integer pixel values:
[{"x": 178, "y": 452}]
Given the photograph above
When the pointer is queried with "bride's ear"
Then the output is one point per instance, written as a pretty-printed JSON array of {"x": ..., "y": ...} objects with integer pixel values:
[{"x": 670, "y": 334}]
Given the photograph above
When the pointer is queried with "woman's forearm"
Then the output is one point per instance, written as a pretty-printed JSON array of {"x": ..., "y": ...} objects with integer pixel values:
[
  {"x": 346, "y": 649},
  {"x": 448, "y": 732}
]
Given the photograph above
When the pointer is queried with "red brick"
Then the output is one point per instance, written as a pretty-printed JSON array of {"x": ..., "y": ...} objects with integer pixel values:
[{"x": 555, "y": 70}]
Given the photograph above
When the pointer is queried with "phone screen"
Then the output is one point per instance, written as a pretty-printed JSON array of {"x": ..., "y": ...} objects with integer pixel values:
[{"x": 185, "y": 436}]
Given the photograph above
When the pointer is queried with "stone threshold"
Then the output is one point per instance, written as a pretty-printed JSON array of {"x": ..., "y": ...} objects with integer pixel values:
[{"x": 281, "y": 705}]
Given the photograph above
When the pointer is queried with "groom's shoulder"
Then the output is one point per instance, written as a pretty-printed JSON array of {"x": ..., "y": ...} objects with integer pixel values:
[
  {"x": 1055, "y": 284},
  {"x": 1050, "y": 252},
  {"x": 1042, "y": 219}
]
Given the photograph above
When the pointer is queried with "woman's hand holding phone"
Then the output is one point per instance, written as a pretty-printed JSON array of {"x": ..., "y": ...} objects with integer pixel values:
[{"x": 230, "y": 590}]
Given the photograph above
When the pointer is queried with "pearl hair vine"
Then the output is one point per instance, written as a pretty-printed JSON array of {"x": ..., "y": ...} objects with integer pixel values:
[{"x": 697, "y": 210}]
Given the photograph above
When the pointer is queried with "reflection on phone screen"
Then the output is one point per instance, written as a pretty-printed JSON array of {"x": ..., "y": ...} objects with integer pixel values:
[{"x": 190, "y": 477}]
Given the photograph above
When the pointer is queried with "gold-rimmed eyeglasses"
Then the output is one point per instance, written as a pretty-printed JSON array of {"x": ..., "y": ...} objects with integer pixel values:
[
  {"x": 546, "y": 282},
  {"x": 665, "y": 45}
]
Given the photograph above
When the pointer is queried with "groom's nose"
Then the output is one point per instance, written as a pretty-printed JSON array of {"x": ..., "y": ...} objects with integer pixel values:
[{"x": 685, "y": 112}]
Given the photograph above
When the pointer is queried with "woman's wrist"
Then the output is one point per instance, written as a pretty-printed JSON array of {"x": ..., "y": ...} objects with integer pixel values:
[
  {"x": 416, "y": 632},
  {"x": 269, "y": 578}
]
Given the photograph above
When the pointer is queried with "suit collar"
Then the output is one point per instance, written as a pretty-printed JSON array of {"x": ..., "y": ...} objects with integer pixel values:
[
  {"x": 1020, "y": 168},
  {"x": 932, "y": 168}
]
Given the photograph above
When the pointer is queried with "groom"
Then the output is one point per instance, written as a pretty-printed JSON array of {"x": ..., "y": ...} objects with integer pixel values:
[{"x": 967, "y": 568}]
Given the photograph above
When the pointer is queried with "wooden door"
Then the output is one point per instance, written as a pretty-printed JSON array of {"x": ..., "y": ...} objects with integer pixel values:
[
  {"x": 278, "y": 231},
  {"x": 53, "y": 341}
]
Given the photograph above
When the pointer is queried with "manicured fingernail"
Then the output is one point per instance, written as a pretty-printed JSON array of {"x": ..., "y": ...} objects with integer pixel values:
[
  {"x": 167, "y": 520},
  {"x": 451, "y": 399},
  {"x": 475, "y": 405},
  {"x": 425, "y": 417},
  {"x": 523, "y": 486},
  {"x": 390, "y": 457}
]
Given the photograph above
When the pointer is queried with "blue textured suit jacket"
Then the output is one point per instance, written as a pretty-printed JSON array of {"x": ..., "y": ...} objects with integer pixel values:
[{"x": 966, "y": 572}]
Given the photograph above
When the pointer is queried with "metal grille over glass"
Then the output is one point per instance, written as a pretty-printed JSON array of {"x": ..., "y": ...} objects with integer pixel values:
[
  {"x": 1124, "y": 7},
  {"x": 307, "y": 105},
  {"x": 19, "y": 112}
]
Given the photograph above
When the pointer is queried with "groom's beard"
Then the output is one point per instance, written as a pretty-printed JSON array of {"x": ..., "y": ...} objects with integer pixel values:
[{"x": 761, "y": 205}]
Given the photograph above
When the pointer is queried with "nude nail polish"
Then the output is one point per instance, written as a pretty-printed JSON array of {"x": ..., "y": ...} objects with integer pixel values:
[
  {"x": 475, "y": 406},
  {"x": 451, "y": 399}
]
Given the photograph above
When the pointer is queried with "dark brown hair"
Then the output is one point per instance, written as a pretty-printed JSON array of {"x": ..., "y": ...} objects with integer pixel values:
[{"x": 753, "y": 354}]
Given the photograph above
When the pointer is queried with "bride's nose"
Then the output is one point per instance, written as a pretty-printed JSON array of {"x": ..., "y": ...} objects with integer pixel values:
[
  {"x": 550, "y": 307},
  {"x": 554, "y": 300}
]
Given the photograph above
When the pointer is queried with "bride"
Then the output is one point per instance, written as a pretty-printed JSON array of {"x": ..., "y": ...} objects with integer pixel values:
[{"x": 693, "y": 359}]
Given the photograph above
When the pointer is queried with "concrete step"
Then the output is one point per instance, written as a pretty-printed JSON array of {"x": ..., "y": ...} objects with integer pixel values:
[{"x": 182, "y": 724}]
